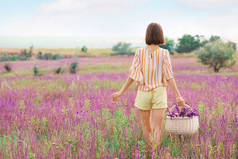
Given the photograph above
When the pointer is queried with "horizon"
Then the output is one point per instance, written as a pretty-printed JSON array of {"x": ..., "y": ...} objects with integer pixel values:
[{"x": 65, "y": 42}]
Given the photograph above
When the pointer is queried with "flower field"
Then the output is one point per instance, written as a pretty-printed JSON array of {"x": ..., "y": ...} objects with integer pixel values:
[{"x": 72, "y": 116}]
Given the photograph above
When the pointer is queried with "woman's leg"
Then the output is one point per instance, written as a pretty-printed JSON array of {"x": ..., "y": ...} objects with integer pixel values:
[
  {"x": 145, "y": 121},
  {"x": 156, "y": 124}
]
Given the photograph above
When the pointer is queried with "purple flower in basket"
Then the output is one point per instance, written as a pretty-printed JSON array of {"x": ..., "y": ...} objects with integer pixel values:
[{"x": 185, "y": 111}]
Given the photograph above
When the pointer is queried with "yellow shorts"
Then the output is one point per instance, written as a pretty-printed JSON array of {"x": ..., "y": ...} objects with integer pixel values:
[{"x": 155, "y": 99}]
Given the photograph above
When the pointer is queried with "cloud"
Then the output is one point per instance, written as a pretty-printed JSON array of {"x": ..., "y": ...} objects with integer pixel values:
[
  {"x": 77, "y": 6},
  {"x": 105, "y": 18},
  {"x": 74, "y": 17},
  {"x": 223, "y": 24},
  {"x": 201, "y": 4}
]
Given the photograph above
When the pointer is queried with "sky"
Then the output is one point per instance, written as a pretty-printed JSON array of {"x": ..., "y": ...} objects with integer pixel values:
[{"x": 112, "y": 20}]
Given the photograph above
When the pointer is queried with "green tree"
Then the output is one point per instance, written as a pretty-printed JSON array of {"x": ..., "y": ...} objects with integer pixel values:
[
  {"x": 122, "y": 47},
  {"x": 169, "y": 45},
  {"x": 232, "y": 44},
  {"x": 203, "y": 40},
  {"x": 84, "y": 49},
  {"x": 203, "y": 43},
  {"x": 214, "y": 38},
  {"x": 188, "y": 43},
  {"x": 216, "y": 54}
]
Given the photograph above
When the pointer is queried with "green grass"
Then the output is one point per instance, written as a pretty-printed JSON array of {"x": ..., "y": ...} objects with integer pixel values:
[
  {"x": 179, "y": 55},
  {"x": 72, "y": 51},
  {"x": 66, "y": 51},
  {"x": 108, "y": 67}
]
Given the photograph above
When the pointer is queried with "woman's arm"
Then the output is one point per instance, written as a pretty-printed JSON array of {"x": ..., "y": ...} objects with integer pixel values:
[
  {"x": 134, "y": 75},
  {"x": 169, "y": 75},
  {"x": 124, "y": 88},
  {"x": 172, "y": 84}
]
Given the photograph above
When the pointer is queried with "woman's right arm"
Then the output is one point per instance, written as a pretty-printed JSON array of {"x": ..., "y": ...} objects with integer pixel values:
[
  {"x": 169, "y": 75},
  {"x": 172, "y": 84}
]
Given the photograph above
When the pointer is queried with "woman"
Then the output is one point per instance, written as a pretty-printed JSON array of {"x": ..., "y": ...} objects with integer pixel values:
[{"x": 151, "y": 69}]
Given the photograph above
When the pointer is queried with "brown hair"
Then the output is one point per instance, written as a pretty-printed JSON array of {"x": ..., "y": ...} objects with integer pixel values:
[{"x": 154, "y": 34}]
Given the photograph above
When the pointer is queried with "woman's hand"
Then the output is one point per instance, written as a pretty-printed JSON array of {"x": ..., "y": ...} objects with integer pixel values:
[
  {"x": 115, "y": 96},
  {"x": 180, "y": 101}
]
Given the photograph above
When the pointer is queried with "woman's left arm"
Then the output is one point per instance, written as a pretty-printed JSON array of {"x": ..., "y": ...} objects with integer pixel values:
[{"x": 115, "y": 96}]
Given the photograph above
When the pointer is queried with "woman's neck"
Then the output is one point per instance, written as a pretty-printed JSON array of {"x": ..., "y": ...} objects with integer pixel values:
[{"x": 152, "y": 46}]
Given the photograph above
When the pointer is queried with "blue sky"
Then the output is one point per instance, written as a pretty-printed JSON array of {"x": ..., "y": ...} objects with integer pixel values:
[{"x": 118, "y": 18}]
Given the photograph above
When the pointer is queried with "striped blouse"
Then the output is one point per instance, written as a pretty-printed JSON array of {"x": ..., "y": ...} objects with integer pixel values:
[{"x": 151, "y": 70}]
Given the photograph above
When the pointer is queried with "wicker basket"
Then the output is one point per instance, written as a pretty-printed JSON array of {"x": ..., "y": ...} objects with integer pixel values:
[{"x": 182, "y": 125}]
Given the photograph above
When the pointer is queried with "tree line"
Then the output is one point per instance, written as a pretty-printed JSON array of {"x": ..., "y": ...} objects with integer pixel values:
[
  {"x": 188, "y": 43},
  {"x": 213, "y": 52}
]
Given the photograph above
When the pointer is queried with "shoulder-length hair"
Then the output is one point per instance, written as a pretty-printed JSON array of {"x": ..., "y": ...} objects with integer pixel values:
[{"x": 154, "y": 34}]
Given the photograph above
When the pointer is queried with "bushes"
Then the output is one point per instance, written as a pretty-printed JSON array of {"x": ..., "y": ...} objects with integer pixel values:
[
  {"x": 122, "y": 47},
  {"x": 36, "y": 70},
  {"x": 39, "y": 55},
  {"x": 13, "y": 58},
  {"x": 58, "y": 70},
  {"x": 128, "y": 54},
  {"x": 25, "y": 55},
  {"x": 56, "y": 57},
  {"x": 84, "y": 49},
  {"x": 6, "y": 57},
  {"x": 48, "y": 56},
  {"x": 217, "y": 54},
  {"x": 169, "y": 45},
  {"x": 73, "y": 67},
  {"x": 7, "y": 67},
  {"x": 188, "y": 43}
]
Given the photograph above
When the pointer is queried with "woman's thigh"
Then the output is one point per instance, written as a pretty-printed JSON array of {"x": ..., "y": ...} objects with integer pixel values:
[
  {"x": 157, "y": 118},
  {"x": 145, "y": 118}
]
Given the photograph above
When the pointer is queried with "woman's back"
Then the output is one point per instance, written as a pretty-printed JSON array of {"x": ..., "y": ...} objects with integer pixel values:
[{"x": 151, "y": 68}]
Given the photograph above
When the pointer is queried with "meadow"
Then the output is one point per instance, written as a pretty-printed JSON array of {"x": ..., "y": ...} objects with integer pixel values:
[
  {"x": 72, "y": 115},
  {"x": 64, "y": 51}
]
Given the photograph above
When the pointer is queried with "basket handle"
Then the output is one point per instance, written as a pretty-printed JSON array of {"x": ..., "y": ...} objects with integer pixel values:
[
  {"x": 173, "y": 107},
  {"x": 186, "y": 105}
]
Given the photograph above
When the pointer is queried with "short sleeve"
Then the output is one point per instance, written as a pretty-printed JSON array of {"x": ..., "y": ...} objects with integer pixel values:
[
  {"x": 167, "y": 67},
  {"x": 135, "y": 69}
]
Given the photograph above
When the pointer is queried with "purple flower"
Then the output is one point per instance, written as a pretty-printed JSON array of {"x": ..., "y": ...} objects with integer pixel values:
[{"x": 185, "y": 111}]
